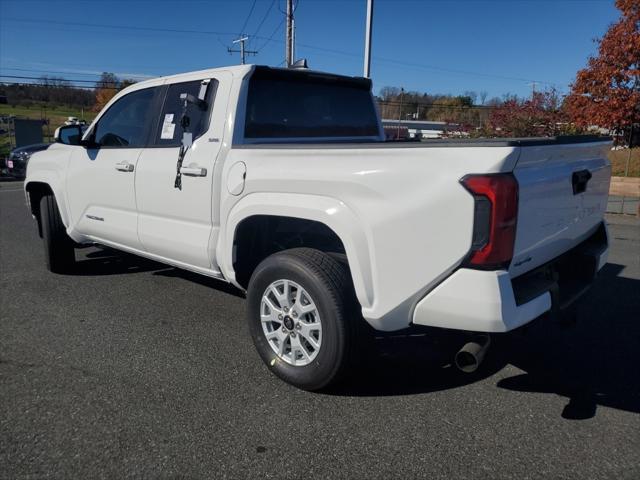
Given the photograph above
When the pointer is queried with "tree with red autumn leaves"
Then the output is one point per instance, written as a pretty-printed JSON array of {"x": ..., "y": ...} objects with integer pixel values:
[
  {"x": 539, "y": 116},
  {"x": 607, "y": 92},
  {"x": 107, "y": 87}
]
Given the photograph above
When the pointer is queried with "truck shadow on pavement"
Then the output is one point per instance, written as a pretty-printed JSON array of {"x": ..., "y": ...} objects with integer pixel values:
[
  {"x": 105, "y": 261},
  {"x": 592, "y": 362}
]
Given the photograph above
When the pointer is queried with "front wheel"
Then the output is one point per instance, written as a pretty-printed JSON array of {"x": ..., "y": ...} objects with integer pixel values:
[
  {"x": 298, "y": 309},
  {"x": 58, "y": 247}
]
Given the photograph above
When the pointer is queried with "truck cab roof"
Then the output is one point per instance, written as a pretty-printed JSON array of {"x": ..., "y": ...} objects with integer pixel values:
[{"x": 243, "y": 70}]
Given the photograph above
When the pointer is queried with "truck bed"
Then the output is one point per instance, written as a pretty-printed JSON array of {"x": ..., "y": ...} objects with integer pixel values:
[{"x": 436, "y": 143}]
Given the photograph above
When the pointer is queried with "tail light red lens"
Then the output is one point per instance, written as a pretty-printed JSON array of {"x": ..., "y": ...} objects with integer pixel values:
[{"x": 495, "y": 214}]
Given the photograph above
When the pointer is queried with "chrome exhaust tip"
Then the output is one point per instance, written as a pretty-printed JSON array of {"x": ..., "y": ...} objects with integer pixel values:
[{"x": 470, "y": 356}]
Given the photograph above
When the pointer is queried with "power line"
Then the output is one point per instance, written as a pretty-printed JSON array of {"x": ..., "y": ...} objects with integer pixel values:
[
  {"x": 273, "y": 2},
  {"x": 121, "y": 27},
  {"x": 462, "y": 72},
  {"x": 248, "y": 17},
  {"x": 68, "y": 72},
  {"x": 271, "y": 39},
  {"x": 50, "y": 71},
  {"x": 44, "y": 79},
  {"x": 45, "y": 85},
  {"x": 243, "y": 51}
]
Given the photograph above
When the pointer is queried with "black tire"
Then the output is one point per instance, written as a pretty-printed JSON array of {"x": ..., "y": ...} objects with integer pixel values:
[
  {"x": 58, "y": 247},
  {"x": 328, "y": 282}
]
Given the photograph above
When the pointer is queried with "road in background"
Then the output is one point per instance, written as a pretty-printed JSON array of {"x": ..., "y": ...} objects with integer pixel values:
[{"x": 132, "y": 368}]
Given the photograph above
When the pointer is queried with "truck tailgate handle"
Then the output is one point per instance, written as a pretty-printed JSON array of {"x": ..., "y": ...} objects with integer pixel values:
[
  {"x": 124, "y": 167},
  {"x": 193, "y": 171},
  {"x": 579, "y": 181}
]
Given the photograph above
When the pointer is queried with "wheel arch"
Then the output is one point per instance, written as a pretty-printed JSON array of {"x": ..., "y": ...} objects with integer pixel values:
[
  {"x": 35, "y": 190},
  {"x": 331, "y": 214}
]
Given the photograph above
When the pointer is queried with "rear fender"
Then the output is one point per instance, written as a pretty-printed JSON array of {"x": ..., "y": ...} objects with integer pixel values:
[{"x": 329, "y": 211}]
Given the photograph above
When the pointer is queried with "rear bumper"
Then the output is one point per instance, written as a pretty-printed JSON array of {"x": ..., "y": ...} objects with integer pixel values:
[{"x": 491, "y": 301}]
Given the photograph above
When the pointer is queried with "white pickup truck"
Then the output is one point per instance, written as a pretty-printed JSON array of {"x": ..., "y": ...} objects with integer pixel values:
[{"x": 279, "y": 181}]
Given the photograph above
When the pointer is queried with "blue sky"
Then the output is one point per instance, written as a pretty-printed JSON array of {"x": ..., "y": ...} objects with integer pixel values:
[{"x": 499, "y": 46}]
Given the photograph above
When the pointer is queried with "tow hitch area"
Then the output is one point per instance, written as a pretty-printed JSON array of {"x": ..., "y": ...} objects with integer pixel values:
[{"x": 566, "y": 278}]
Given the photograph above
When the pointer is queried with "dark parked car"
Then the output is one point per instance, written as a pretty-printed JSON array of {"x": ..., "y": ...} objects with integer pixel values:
[{"x": 19, "y": 157}]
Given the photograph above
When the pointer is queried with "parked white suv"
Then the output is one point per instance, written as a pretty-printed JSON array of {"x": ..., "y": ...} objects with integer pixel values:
[{"x": 280, "y": 182}]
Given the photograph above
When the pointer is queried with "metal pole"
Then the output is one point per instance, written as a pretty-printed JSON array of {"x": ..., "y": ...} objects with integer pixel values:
[
  {"x": 400, "y": 113},
  {"x": 293, "y": 40},
  {"x": 367, "y": 39},
  {"x": 626, "y": 167},
  {"x": 289, "y": 39},
  {"x": 243, "y": 51}
]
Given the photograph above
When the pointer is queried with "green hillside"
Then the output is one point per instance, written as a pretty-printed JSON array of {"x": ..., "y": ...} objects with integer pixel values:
[{"x": 55, "y": 114}]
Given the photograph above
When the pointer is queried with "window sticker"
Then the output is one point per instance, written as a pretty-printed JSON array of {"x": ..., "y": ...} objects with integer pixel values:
[
  {"x": 168, "y": 127},
  {"x": 168, "y": 130}
]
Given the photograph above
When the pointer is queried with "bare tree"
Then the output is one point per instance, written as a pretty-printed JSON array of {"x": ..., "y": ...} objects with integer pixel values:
[{"x": 472, "y": 95}]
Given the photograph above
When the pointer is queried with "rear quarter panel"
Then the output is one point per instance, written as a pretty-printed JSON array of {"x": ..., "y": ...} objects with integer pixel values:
[{"x": 408, "y": 203}]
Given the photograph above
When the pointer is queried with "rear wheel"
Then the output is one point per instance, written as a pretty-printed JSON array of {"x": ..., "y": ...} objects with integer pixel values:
[
  {"x": 298, "y": 312},
  {"x": 58, "y": 247}
]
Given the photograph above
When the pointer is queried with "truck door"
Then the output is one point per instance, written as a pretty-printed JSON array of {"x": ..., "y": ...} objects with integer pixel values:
[
  {"x": 177, "y": 222},
  {"x": 100, "y": 179}
]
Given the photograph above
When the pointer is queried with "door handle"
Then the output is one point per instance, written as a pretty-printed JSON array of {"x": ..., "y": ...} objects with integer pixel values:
[
  {"x": 124, "y": 167},
  {"x": 193, "y": 171},
  {"x": 580, "y": 180}
]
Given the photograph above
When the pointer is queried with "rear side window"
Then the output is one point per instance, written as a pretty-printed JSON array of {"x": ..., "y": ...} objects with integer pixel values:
[
  {"x": 297, "y": 105},
  {"x": 126, "y": 123},
  {"x": 169, "y": 132}
]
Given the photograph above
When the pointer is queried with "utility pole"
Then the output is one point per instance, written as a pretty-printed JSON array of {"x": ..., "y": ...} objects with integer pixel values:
[
  {"x": 367, "y": 39},
  {"x": 293, "y": 40},
  {"x": 243, "y": 52},
  {"x": 400, "y": 112},
  {"x": 289, "y": 39}
]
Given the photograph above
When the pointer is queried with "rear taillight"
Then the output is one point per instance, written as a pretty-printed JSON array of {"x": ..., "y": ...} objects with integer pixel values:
[{"x": 494, "y": 222}]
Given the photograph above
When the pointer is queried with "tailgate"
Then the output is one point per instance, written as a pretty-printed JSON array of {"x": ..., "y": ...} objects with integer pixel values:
[{"x": 563, "y": 190}]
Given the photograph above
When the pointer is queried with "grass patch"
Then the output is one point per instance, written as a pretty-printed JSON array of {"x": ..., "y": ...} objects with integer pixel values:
[
  {"x": 619, "y": 158},
  {"x": 56, "y": 115}
]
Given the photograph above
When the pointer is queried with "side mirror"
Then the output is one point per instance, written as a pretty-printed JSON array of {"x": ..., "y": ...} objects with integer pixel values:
[{"x": 68, "y": 134}]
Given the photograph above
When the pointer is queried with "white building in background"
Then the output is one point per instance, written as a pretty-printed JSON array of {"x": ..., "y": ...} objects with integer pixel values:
[{"x": 421, "y": 129}]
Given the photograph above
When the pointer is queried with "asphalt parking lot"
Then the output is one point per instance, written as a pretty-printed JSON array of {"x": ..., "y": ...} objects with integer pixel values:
[{"x": 134, "y": 369}]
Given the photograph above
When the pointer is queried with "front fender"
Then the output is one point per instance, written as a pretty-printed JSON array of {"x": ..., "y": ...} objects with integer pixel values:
[
  {"x": 52, "y": 180},
  {"x": 333, "y": 213},
  {"x": 48, "y": 167}
]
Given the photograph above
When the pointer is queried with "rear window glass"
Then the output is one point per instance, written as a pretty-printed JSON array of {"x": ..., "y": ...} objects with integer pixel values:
[
  {"x": 294, "y": 105},
  {"x": 169, "y": 132}
]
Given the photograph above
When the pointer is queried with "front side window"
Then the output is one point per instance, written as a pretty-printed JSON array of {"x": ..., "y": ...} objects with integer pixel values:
[
  {"x": 126, "y": 123},
  {"x": 169, "y": 132}
]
